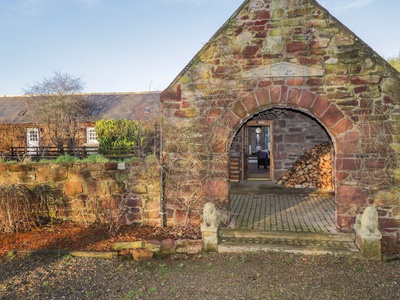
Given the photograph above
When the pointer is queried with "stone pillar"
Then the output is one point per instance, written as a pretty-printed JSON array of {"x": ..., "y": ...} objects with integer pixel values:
[
  {"x": 368, "y": 236},
  {"x": 210, "y": 227}
]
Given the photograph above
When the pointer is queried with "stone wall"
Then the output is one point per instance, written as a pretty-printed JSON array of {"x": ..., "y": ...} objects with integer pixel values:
[
  {"x": 84, "y": 187},
  {"x": 293, "y": 136},
  {"x": 291, "y": 54}
]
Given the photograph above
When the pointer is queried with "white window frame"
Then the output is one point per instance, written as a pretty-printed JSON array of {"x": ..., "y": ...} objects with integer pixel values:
[{"x": 91, "y": 136}]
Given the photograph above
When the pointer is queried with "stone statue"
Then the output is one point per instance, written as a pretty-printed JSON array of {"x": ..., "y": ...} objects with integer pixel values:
[
  {"x": 367, "y": 224},
  {"x": 211, "y": 217}
]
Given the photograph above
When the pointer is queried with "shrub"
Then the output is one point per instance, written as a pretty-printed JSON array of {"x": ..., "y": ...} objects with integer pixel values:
[
  {"x": 66, "y": 158},
  {"x": 95, "y": 158},
  {"x": 19, "y": 208}
]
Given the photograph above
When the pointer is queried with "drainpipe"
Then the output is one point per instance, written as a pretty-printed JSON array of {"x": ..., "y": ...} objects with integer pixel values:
[{"x": 163, "y": 213}]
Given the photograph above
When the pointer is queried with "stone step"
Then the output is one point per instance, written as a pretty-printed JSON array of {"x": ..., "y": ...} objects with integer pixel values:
[
  {"x": 227, "y": 232},
  {"x": 239, "y": 241}
]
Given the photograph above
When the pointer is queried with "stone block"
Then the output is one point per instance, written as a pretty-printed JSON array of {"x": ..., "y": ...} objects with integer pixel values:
[
  {"x": 296, "y": 46},
  {"x": 3, "y": 168},
  {"x": 210, "y": 240},
  {"x": 129, "y": 245},
  {"x": 73, "y": 187},
  {"x": 366, "y": 79},
  {"x": 153, "y": 245},
  {"x": 43, "y": 174},
  {"x": 332, "y": 116},
  {"x": 240, "y": 110},
  {"x": 370, "y": 249},
  {"x": 263, "y": 96},
  {"x": 141, "y": 254},
  {"x": 167, "y": 247},
  {"x": 342, "y": 126},
  {"x": 320, "y": 106},
  {"x": 295, "y": 81},
  {"x": 351, "y": 195},
  {"x": 275, "y": 93},
  {"x": 19, "y": 168},
  {"x": 250, "y": 103},
  {"x": 307, "y": 99},
  {"x": 59, "y": 174},
  {"x": 189, "y": 246},
  {"x": 94, "y": 167}
]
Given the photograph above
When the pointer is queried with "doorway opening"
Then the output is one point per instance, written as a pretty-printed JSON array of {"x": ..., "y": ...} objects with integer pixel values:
[{"x": 256, "y": 152}]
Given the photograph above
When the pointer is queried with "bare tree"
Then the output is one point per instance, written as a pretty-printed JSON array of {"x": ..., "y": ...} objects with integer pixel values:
[{"x": 57, "y": 103}]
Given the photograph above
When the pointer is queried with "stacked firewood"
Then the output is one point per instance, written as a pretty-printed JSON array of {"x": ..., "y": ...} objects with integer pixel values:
[{"x": 312, "y": 170}]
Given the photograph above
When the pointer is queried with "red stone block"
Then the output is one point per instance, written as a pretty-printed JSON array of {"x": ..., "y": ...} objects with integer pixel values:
[
  {"x": 180, "y": 114},
  {"x": 320, "y": 106},
  {"x": 279, "y": 82},
  {"x": 347, "y": 164},
  {"x": 171, "y": 95},
  {"x": 168, "y": 247},
  {"x": 337, "y": 80},
  {"x": 341, "y": 175},
  {"x": 250, "y": 50},
  {"x": 262, "y": 15},
  {"x": 348, "y": 143},
  {"x": 332, "y": 116},
  {"x": 250, "y": 103},
  {"x": 294, "y": 96},
  {"x": 315, "y": 82},
  {"x": 307, "y": 99},
  {"x": 240, "y": 110},
  {"x": 294, "y": 81},
  {"x": 264, "y": 83},
  {"x": 296, "y": 46},
  {"x": 351, "y": 195},
  {"x": 275, "y": 94},
  {"x": 360, "y": 89},
  {"x": 234, "y": 120},
  {"x": 367, "y": 79},
  {"x": 263, "y": 96},
  {"x": 342, "y": 126},
  {"x": 141, "y": 254},
  {"x": 389, "y": 223}
]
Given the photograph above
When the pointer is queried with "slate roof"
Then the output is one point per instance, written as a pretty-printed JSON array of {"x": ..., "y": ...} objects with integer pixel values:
[{"x": 131, "y": 106}]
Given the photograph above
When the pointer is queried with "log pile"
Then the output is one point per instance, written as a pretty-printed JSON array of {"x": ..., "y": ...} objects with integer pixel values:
[{"x": 312, "y": 170}]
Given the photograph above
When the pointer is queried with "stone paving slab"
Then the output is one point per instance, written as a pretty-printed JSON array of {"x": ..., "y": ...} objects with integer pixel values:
[{"x": 284, "y": 212}]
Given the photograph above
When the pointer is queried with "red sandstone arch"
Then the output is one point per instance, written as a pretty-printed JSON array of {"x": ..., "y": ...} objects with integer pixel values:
[{"x": 340, "y": 128}]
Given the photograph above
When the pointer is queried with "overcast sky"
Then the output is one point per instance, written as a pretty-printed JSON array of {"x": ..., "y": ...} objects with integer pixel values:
[{"x": 141, "y": 45}]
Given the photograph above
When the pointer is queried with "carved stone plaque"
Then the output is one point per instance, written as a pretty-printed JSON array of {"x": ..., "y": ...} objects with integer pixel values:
[{"x": 284, "y": 70}]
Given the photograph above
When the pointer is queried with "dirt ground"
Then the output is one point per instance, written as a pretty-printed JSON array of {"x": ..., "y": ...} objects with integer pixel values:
[
  {"x": 74, "y": 236},
  {"x": 205, "y": 276},
  {"x": 202, "y": 276}
]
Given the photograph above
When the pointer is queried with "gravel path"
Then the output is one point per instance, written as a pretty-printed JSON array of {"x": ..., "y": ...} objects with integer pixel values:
[{"x": 209, "y": 276}]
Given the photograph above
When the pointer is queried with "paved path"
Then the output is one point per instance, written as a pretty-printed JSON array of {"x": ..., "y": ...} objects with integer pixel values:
[{"x": 284, "y": 212}]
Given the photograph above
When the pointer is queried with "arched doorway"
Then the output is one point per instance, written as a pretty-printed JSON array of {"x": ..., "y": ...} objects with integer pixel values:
[{"x": 256, "y": 201}]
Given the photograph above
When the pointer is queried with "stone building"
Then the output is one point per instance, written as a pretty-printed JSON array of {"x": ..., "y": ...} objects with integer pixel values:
[
  {"x": 283, "y": 76},
  {"x": 19, "y": 126}
]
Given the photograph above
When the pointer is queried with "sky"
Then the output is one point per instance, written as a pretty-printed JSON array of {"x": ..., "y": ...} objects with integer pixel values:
[{"x": 141, "y": 45}]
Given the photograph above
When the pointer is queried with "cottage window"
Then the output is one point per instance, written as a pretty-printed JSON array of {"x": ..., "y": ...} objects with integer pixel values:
[{"x": 91, "y": 135}]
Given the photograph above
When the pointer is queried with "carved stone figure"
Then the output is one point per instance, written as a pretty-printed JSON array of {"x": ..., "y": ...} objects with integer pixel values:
[
  {"x": 211, "y": 217},
  {"x": 367, "y": 223}
]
